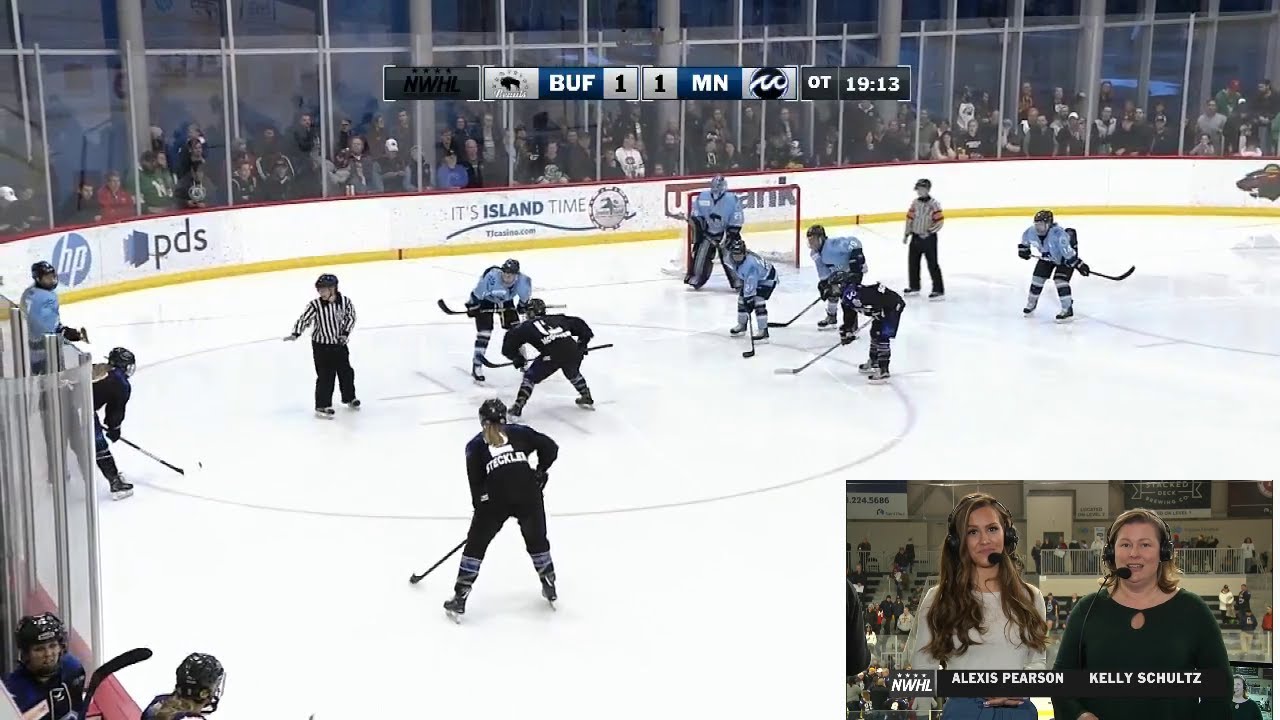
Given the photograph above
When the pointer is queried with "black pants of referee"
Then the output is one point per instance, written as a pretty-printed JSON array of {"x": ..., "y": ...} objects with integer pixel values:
[
  {"x": 924, "y": 246},
  {"x": 333, "y": 361}
]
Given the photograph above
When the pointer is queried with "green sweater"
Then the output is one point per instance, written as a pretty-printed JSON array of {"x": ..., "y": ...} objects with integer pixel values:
[{"x": 1180, "y": 634}]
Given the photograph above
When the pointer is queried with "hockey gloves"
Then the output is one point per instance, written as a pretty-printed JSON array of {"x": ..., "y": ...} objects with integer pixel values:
[
  {"x": 823, "y": 284},
  {"x": 113, "y": 434},
  {"x": 541, "y": 477},
  {"x": 582, "y": 347},
  {"x": 1083, "y": 268},
  {"x": 73, "y": 334},
  {"x": 1024, "y": 252},
  {"x": 518, "y": 362}
]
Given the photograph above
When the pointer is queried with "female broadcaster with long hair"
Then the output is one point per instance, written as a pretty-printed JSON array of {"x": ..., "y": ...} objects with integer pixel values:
[
  {"x": 1141, "y": 620},
  {"x": 981, "y": 615}
]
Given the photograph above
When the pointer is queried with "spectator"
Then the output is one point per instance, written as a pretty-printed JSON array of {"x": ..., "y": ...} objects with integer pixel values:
[
  {"x": 462, "y": 130},
  {"x": 1071, "y": 138},
  {"x": 864, "y": 553},
  {"x": 1266, "y": 631},
  {"x": 343, "y": 140},
  {"x": 1247, "y": 552},
  {"x": 858, "y": 578},
  {"x": 1266, "y": 108},
  {"x": 450, "y": 175},
  {"x": 1227, "y": 602},
  {"x": 1035, "y": 556},
  {"x": 365, "y": 178},
  {"x": 115, "y": 201},
  {"x": 577, "y": 161},
  {"x": 1210, "y": 123},
  {"x": 375, "y": 137},
  {"x": 82, "y": 208},
  {"x": 240, "y": 153},
  {"x": 419, "y": 177},
  {"x": 1040, "y": 139},
  {"x": 190, "y": 151},
  {"x": 1011, "y": 139},
  {"x": 969, "y": 145},
  {"x": 1106, "y": 94},
  {"x": 629, "y": 158},
  {"x": 1229, "y": 96},
  {"x": 906, "y": 620},
  {"x": 1243, "y": 599},
  {"x": 942, "y": 148},
  {"x": 1204, "y": 148},
  {"x": 546, "y": 168},
  {"x": 278, "y": 186},
  {"x": 446, "y": 144},
  {"x": 244, "y": 185},
  {"x": 1238, "y": 128},
  {"x": 403, "y": 132},
  {"x": 490, "y": 139},
  {"x": 1051, "y": 611},
  {"x": 10, "y": 212},
  {"x": 1026, "y": 102},
  {"x": 1248, "y": 626},
  {"x": 195, "y": 190},
  {"x": 474, "y": 164},
  {"x": 1164, "y": 141},
  {"x": 394, "y": 169}
]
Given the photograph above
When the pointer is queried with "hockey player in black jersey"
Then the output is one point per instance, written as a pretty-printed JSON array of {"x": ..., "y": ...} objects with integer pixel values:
[
  {"x": 561, "y": 341},
  {"x": 505, "y": 484},
  {"x": 196, "y": 693},
  {"x": 49, "y": 681},
  {"x": 111, "y": 390},
  {"x": 882, "y": 305}
]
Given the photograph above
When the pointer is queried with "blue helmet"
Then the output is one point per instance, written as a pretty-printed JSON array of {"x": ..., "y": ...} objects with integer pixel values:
[{"x": 719, "y": 186}]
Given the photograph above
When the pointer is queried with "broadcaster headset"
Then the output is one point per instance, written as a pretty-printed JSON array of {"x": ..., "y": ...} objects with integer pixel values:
[
  {"x": 1109, "y": 555},
  {"x": 953, "y": 540}
]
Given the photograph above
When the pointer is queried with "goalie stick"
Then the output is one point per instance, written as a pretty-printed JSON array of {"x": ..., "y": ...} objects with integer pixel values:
[
  {"x": 490, "y": 364},
  {"x": 800, "y": 314},
  {"x": 449, "y": 311},
  {"x": 171, "y": 466},
  {"x": 108, "y": 668},
  {"x": 417, "y": 578}
]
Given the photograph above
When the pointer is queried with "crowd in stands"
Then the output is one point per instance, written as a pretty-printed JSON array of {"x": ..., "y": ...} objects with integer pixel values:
[{"x": 186, "y": 169}]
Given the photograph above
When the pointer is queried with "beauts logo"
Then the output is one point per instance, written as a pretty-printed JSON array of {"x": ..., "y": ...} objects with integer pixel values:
[
  {"x": 73, "y": 258},
  {"x": 141, "y": 248},
  {"x": 1264, "y": 183}
]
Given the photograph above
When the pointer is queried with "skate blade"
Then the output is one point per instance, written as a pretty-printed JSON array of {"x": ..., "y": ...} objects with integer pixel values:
[
  {"x": 588, "y": 407},
  {"x": 762, "y": 341},
  {"x": 324, "y": 416},
  {"x": 552, "y": 603},
  {"x": 1064, "y": 321},
  {"x": 938, "y": 299},
  {"x": 877, "y": 381},
  {"x": 455, "y": 617},
  {"x": 122, "y": 495}
]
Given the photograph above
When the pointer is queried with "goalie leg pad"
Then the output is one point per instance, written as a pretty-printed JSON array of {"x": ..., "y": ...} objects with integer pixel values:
[{"x": 703, "y": 251}]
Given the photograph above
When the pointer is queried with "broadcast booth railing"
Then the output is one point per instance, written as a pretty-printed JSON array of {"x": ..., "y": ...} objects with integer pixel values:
[
  {"x": 48, "y": 508},
  {"x": 1197, "y": 561}
]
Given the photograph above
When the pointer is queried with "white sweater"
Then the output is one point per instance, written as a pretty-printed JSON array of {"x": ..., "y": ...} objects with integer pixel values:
[{"x": 1000, "y": 648}]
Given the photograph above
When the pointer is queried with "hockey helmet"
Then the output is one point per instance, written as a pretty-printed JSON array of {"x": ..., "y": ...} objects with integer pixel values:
[
  {"x": 123, "y": 359},
  {"x": 535, "y": 309},
  {"x": 511, "y": 266},
  {"x": 327, "y": 280},
  {"x": 41, "y": 269},
  {"x": 718, "y": 186},
  {"x": 493, "y": 411},
  {"x": 736, "y": 248},
  {"x": 818, "y": 233},
  {"x": 1043, "y": 221},
  {"x": 201, "y": 677},
  {"x": 36, "y": 630},
  {"x": 924, "y": 183}
]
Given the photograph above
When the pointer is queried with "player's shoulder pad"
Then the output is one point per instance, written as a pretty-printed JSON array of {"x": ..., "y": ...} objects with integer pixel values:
[{"x": 474, "y": 443}]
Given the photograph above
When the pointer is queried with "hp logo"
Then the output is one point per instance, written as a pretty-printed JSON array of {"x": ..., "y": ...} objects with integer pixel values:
[
  {"x": 73, "y": 258},
  {"x": 768, "y": 84}
]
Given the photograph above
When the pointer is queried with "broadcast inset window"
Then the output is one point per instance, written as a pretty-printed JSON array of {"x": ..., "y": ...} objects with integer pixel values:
[{"x": 1074, "y": 600}]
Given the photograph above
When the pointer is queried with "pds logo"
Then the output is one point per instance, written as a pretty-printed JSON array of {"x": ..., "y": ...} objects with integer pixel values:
[
  {"x": 141, "y": 248},
  {"x": 73, "y": 258}
]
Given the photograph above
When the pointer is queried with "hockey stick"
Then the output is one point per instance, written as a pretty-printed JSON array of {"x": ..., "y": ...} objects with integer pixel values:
[
  {"x": 415, "y": 579},
  {"x": 490, "y": 364},
  {"x": 171, "y": 466},
  {"x": 108, "y": 668},
  {"x": 752, "y": 352},
  {"x": 449, "y": 311},
  {"x": 1093, "y": 272},
  {"x": 828, "y": 351},
  {"x": 806, "y": 309}
]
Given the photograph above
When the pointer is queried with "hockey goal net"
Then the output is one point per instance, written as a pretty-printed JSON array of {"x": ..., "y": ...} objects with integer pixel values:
[{"x": 771, "y": 223}]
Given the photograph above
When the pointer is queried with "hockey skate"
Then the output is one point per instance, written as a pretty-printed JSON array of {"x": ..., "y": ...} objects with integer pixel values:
[
  {"x": 878, "y": 376},
  {"x": 456, "y": 607},
  {"x": 738, "y": 330},
  {"x": 517, "y": 409},
  {"x": 1030, "y": 308},
  {"x": 585, "y": 402},
  {"x": 120, "y": 489},
  {"x": 1065, "y": 316},
  {"x": 354, "y": 404},
  {"x": 910, "y": 291},
  {"x": 477, "y": 373},
  {"x": 762, "y": 336},
  {"x": 868, "y": 368},
  {"x": 549, "y": 588},
  {"x": 829, "y": 322},
  {"x": 936, "y": 296},
  {"x": 324, "y": 412}
]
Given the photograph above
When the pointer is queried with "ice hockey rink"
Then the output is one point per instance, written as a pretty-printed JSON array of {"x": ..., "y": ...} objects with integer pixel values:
[{"x": 689, "y": 514}]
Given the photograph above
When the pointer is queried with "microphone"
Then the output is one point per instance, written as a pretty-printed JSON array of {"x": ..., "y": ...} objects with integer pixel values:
[
  {"x": 995, "y": 558},
  {"x": 1123, "y": 573}
]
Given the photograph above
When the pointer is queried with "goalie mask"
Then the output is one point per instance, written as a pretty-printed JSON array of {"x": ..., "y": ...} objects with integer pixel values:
[{"x": 719, "y": 186}]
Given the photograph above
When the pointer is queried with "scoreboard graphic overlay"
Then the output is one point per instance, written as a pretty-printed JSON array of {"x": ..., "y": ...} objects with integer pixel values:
[{"x": 475, "y": 83}]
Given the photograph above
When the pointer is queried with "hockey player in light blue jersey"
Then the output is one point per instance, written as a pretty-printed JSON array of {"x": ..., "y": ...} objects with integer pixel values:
[
  {"x": 501, "y": 289},
  {"x": 44, "y": 316},
  {"x": 759, "y": 278},
  {"x": 834, "y": 255},
  {"x": 1058, "y": 251},
  {"x": 716, "y": 213}
]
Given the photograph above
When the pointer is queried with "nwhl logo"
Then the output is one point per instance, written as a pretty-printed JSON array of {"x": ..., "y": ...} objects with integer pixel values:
[{"x": 1264, "y": 183}]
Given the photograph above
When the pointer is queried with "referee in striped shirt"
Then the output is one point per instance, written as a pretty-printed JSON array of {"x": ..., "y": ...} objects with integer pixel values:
[{"x": 334, "y": 317}]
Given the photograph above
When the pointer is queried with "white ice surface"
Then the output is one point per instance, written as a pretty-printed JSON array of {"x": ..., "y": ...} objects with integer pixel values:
[{"x": 696, "y": 517}]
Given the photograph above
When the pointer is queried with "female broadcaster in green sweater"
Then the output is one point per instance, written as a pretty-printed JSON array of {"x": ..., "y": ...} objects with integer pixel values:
[{"x": 1143, "y": 622}]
